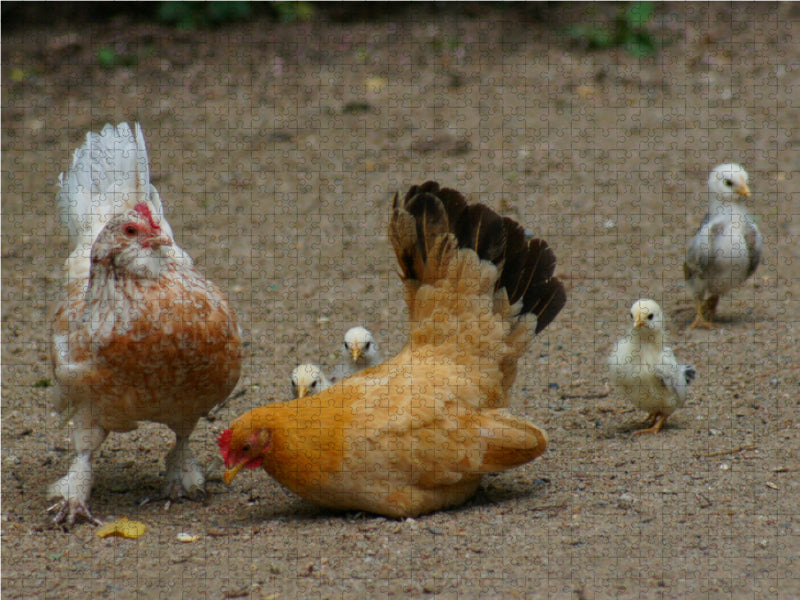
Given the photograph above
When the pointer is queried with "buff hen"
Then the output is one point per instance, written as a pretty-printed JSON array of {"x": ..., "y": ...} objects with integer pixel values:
[{"x": 415, "y": 433}]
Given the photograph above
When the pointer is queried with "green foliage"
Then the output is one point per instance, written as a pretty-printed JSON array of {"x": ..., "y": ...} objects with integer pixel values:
[
  {"x": 289, "y": 12},
  {"x": 190, "y": 15},
  {"x": 628, "y": 31},
  {"x": 43, "y": 383},
  {"x": 108, "y": 58}
]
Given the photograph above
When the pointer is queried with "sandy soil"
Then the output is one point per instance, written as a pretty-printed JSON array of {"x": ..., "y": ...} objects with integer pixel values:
[{"x": 277, "y": 147}]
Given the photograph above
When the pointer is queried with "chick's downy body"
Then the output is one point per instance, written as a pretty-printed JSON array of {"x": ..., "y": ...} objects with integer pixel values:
[
  {"x": 645, "y": 370},
  {"x": 727, "y": 247}
]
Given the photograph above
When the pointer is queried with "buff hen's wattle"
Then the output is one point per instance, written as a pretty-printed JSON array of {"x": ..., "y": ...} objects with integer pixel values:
[{"x": 416, "y": 433}]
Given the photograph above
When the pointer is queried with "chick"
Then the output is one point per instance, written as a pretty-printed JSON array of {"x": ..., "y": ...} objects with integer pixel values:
[
  {"x": 726, "y": 249},
  {"x": 308, "y": 379},
  {"x": 646, "y": 371},
  {"x": 361, "y": 352}
]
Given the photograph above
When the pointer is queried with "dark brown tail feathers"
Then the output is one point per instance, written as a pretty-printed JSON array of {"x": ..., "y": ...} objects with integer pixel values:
[{"x": 526, "y": 266}]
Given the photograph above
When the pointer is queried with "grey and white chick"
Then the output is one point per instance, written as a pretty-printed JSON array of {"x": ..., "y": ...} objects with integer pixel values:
[
  {"x": 361, "y": 352},
  {"x": 726, "y": 249},
  {"x": 646, "y": 371}
]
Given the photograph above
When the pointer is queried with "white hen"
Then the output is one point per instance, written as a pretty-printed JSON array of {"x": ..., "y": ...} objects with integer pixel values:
[
  {"x": 140, "y": 334},
  {"x": 726, "y": 249},
  {"x": 645, "y": 370},
  {"x": 361, "y": 352},
  {"x": 110, "y": 175}
]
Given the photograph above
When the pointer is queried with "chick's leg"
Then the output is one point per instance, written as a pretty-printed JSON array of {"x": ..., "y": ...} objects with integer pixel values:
[
  {"x": 658, "y": 423},
  {"x": 651, "y": 419},
  {"x": 700, "y": 318},
  {"x": 74, "y": 488},
  {"x": 710, "y": 307},
  {"x": 184, "y": 476}
]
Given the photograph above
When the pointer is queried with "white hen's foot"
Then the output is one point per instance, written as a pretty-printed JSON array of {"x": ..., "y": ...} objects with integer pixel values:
[
  {"x": 74, "y": 489},
  {"x": 184, "y": 477}
]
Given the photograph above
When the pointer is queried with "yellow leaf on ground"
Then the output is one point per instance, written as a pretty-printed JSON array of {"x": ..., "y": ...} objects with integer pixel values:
[
  {"x": 375, "y": 84},
  {"x": 123, "y": 528}
]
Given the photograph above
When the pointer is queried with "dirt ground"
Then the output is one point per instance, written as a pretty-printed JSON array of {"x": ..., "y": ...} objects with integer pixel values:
[{"x": 277, "y": 148}]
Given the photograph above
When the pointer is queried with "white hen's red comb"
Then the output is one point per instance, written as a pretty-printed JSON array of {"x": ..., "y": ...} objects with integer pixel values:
[{"x": 144, "y": 210}]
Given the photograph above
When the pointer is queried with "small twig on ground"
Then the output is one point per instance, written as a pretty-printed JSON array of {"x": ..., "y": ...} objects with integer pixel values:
[
  {"x": 731, "y": 451},
  {"x": 606, "y": 391}
]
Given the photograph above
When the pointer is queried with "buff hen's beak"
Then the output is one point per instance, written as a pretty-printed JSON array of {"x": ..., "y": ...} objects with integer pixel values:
[{"x": 231, "y": 473}]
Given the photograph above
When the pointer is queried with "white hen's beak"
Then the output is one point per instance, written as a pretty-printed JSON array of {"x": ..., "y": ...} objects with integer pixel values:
[
  {"x": 156, "y": 241},
  {"x": 302, "y": 391}
]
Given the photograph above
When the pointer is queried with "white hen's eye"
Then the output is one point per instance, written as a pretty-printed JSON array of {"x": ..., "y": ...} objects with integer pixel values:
[
  {"x": 650, "y": 317},
  {"x": 366, "y": 346},
  {"x": 729, "y": 183}
]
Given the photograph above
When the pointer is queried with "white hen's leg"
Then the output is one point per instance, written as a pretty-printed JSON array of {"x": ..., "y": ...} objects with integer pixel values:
[
  {"x": 74, "y": 488},
  {"x": 184, "y": 476}
]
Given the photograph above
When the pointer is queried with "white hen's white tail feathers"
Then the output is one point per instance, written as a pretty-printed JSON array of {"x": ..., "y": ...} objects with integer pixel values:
[{"x": 109, "y": 175}]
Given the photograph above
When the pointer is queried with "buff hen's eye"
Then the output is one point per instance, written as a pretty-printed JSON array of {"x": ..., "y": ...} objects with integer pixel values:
[{"x": 129, "y": 230}]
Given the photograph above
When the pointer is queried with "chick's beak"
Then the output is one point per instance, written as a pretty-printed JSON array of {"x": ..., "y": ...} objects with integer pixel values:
[
  {"x": 639, "y": 323},
  {"x": 233, "y": 472},
  {"x": 356, "y": 351},
  {"x": 301, "y": 391},
  {"x": 743, "y": 190}
]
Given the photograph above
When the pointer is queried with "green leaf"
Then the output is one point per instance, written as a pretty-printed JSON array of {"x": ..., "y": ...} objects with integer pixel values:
[
  {"x": 106, "y": 57},
  {"x": 638, "y": 14},
  {"x": 641, "y": 45}
]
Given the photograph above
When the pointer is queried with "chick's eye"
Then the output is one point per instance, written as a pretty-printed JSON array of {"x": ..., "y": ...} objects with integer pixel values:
[
  {"x": 366, "y": 346},
  {"x": 729, "y": 183},
  {"x": 650, "y": 317},
  {"x": 313, "y": 384}
]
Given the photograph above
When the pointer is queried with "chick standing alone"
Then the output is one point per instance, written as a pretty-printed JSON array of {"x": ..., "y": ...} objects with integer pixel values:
[
  {"x": 646, "y": 371},
  {"x": 726, "y": 249},
  {"x": 416, "y": 433}
]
